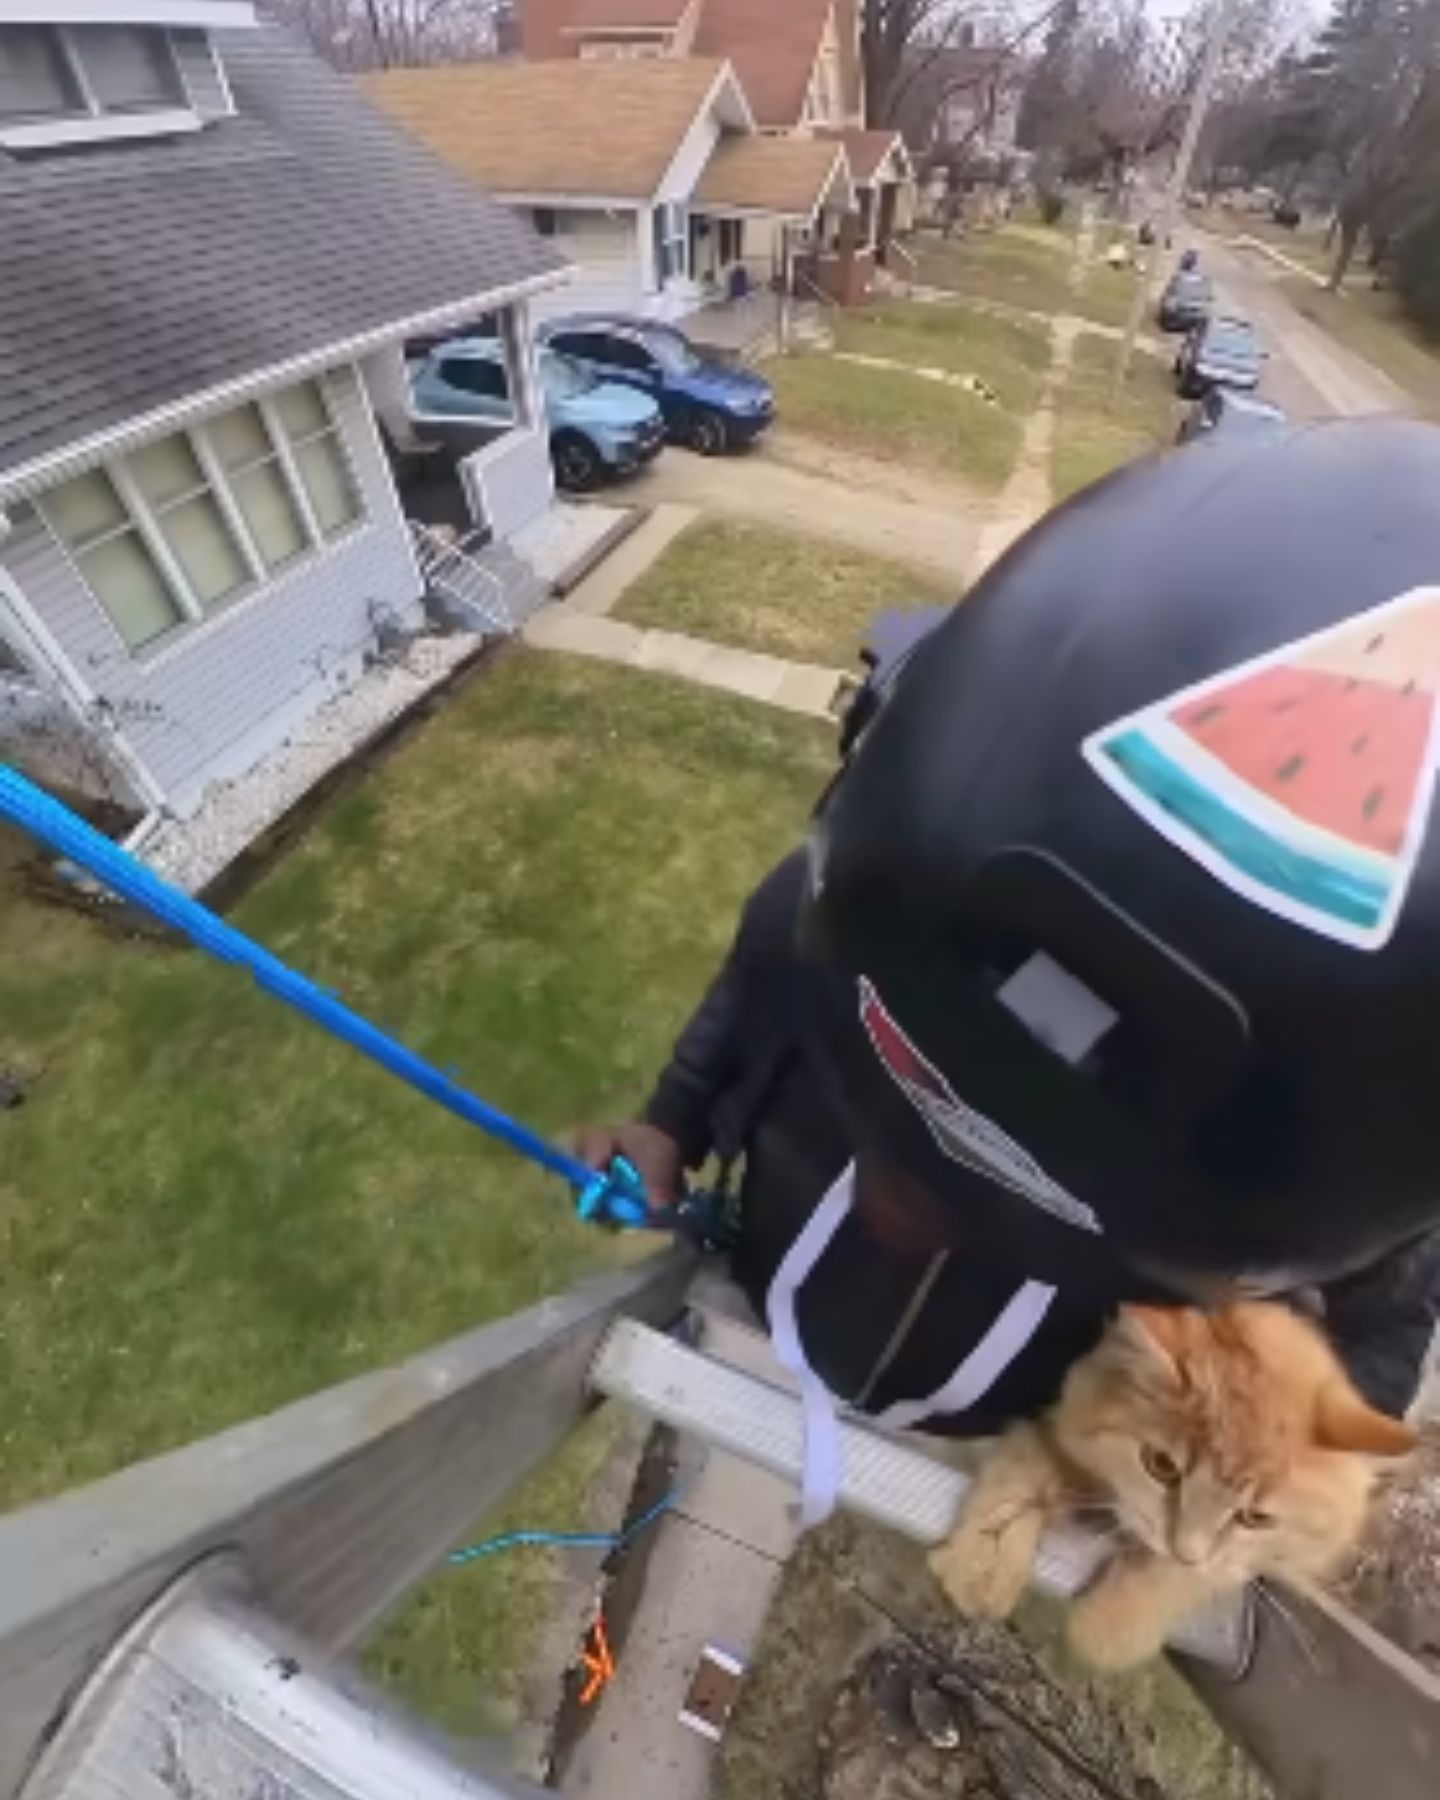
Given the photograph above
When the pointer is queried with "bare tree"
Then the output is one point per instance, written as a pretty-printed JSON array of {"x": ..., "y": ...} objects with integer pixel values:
[{"x": 371, "y": 34}]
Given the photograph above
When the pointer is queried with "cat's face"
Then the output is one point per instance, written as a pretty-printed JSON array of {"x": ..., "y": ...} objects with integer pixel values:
[{"x": 1231, "y": 1442}]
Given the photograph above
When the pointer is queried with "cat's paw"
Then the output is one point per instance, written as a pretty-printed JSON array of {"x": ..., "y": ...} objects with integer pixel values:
[
  {"x": 983, "y": 1574},
  {"x": 1111, "y": 1628}
]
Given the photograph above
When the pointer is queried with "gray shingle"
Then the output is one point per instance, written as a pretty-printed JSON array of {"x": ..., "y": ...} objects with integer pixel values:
[{"x": 136, "y": 275}]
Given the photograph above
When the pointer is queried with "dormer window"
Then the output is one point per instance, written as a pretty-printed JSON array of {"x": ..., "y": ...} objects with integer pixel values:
[{"x": 69, "y": 83}]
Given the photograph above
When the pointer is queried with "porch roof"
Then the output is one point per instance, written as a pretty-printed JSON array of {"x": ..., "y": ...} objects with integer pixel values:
[
  {"x": 789, "y": 177},
  {"x": 608, "y": 129},
  {"x": 869, "y": 151}
]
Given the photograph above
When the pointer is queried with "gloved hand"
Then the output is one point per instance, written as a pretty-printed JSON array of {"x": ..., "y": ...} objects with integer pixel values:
[{"x": 656, "y": 1156}]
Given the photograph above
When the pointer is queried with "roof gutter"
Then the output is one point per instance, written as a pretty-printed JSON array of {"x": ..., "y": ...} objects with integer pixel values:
[{"x": 85, "y": 453}]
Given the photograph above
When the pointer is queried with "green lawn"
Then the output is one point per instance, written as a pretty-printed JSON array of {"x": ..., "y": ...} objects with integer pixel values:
[
  {"x": 1370, "y": 323},
  {"x": 1095, "y": 429},
  {"x": 1105, "y": 295},
  {"x": 1025, "y": 266},
  {"x": 892, "y": 414},
  {"x": 207, "y": 1208},
  {"x": 1008, "y": 354},
  {"x": 800, "y": 597}
]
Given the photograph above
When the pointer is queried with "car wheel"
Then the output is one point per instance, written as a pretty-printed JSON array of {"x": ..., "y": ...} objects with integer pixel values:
[
  {"x": 707, "y": 434},
  {"x": 579, "y": 466}
]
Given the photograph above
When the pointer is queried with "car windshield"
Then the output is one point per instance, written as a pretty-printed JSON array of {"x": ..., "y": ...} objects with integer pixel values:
[
  {"x": 1235, "y": 342},
  {"x": 1190, "y": 286},
  {"x": 673, "y": 352},
  {"x": 565, "y": 379}
]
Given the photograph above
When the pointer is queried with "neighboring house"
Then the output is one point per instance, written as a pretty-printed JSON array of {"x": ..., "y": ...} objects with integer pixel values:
[
  {"x": 213, "y": 252},
  {"x": 800, "y": 67},
  {"x": 798, "y": 60},
  {"x": 657, "y": 188},
  {"x": 885, "y": 190}
]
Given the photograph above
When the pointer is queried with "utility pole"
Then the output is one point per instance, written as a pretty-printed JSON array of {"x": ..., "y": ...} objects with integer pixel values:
[{"x": 1221, "y": 21}]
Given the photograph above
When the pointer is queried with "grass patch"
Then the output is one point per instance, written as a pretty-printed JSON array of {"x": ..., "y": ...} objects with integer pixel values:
[
  {"x": 1095, "y": 430},
  {"x": 1105, "y": 295},
  {"x": 776, "y": 591},
  {"x": 450, "y": 1652},
  {"x": 892, "y": 414},
  {"x": 1371, "y": 323},
  {"x": 1025, "y": 266},
  {"x": 1008, "y": 354},
  {"x": 207, "y": 1208},
  {"x": 888, "y": 415}
]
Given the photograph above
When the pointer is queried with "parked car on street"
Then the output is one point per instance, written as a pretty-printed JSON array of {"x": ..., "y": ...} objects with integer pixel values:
[
  {"x": 1222, "y": 352},
  {"x": 1185, "y": 300},
  {"x": 1233, "y": 413},
  {"x": 711, "y": 406},
  {"x": 597, "y": 428}
]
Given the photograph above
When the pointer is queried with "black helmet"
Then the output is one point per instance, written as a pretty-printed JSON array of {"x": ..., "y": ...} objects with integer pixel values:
[
  {"x": 1189, "y": 259},
  {"x": 1125, "y": 912}
]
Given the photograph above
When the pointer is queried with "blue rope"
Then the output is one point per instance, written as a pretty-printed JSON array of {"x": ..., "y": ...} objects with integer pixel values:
[
  {"x": 617, "y": 1196},
  {"x": 567, "y": 1540}
]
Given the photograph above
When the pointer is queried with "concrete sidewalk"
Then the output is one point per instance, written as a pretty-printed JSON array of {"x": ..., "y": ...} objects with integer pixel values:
[
  {"x": 807, "y": 688},
  {"x": 713, "y": 1571}
]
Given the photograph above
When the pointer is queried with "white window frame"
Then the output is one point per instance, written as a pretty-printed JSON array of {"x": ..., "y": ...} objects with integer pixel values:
[
  {"x": 93, "y": 121},
  {"x": 146, "y": 519}
]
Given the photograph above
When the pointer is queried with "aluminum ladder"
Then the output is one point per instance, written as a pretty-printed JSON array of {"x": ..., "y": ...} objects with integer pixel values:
[{"x": 179, "y": 1630}]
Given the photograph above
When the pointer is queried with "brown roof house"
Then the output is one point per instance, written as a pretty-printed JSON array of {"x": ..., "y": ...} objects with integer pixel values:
[
  {"x": 646, "y": 172},
  {"x": 798, "y": 62}
]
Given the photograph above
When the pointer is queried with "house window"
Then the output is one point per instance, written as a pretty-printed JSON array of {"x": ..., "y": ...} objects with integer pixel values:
[
  {"x": 126, "y": 69},
  {"x": 671, "y": 242},
  {"x": 35, "y": 79},
  {"x": 314, "y": 442},
  {"x": 89, "y": 517},
  {"x": 85, "y": 71},
  {"x": 188, "y": 524}
]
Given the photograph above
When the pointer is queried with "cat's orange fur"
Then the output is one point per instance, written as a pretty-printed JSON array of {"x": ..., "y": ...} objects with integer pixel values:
[{"x": 1223, "y": 1446}]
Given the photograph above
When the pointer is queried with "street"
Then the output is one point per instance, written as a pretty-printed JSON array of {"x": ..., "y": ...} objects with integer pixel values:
[{"x": 1308, "y": 373}]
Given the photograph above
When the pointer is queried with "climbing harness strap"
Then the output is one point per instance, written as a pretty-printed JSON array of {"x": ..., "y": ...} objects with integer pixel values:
[{"x": 1013, "y": 1328}]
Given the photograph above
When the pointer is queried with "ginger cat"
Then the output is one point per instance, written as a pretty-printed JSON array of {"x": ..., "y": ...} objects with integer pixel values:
[{"x": 1222, "y": 1446}]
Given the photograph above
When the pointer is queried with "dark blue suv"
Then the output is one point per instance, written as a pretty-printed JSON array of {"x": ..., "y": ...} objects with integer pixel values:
[{"x": 710, "y": 405}]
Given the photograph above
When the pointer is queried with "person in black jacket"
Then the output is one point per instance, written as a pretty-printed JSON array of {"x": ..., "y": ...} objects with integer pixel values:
[{"x": 1111, "y": 970}]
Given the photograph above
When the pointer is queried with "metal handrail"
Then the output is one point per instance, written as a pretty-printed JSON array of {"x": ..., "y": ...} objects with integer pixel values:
[{"x": 443, "y": 563}]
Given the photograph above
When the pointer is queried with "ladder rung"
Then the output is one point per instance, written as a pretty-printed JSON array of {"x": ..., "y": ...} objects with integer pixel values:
[{"x": 883, "y": 1478}]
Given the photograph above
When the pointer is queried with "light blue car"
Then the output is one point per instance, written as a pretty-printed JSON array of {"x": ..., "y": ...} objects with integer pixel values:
[{"x": 597, "y": 428}]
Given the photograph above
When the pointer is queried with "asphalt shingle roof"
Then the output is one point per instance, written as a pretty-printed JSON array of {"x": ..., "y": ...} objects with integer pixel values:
[
  {"x": 604, "y": 128},
  {"x": 787, "y": 176},
  {"x": 141, "y": 274}
]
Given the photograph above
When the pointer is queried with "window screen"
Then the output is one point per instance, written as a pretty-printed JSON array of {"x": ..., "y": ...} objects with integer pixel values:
[
  {"x": 319, "y": 457},
  {"x": 110, "y": 553},
  {"x": 35, "y": 81},
  {"x": 127, "y": 69}
]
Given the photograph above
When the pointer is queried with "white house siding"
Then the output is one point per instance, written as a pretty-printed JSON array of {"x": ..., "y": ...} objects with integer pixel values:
[
  {"x": 200, "y": 73},
  {"x": 606, "y": 251},
  {"x": 514, "y": 479},
  {"x": 213, "y": 702}
]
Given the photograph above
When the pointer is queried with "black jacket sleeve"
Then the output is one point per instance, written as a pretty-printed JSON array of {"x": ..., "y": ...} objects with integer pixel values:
[
  {"x": 1382, "y": 1319},
  {"x": 724, "y": 1034}
]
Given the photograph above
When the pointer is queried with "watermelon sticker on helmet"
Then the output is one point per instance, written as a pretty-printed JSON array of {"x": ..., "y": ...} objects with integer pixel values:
[{"x": 1303, "y": 779}]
